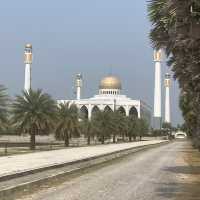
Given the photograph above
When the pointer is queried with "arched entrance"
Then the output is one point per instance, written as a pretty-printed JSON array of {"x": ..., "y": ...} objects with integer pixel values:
[
  {"x": 84, "y": 112},
  {"x": 95, "y": 110},
  {"x": 122, "y": 110},
  {"x": 133, "y": 112},
  {"x": 107, "y": 109}
]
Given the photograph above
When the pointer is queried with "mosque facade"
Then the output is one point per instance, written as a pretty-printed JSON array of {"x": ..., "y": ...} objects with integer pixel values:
[{"x": 109, "y": 98}]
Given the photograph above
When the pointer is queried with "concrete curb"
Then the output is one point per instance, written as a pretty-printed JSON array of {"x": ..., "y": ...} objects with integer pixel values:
[{"x": 9, "y": 193}]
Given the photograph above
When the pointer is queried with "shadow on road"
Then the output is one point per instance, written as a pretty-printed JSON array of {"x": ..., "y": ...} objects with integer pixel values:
[
  {"x": 181, "y": 191},
  {"x": 186, "y": 175},
  {"x": 184, "y": 169}
]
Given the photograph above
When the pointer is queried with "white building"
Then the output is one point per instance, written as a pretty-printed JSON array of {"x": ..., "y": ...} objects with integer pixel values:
[{"x": 110, "y": 98}]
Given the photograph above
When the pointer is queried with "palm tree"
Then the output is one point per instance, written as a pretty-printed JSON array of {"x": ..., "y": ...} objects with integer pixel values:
[
  {"x": 131, "y": 127},
  {"x": 32, "y": 112},
  {"x": 88, "y": 129},
  {"x": 187, "y": 106},
  {"x": 3, "y": 106},
  {"x": 103, "y": 124},
  {"x": 118, "y": 124},
  {"x": 67, "y": 122},
  {"x": 162, "y": 16},
  {"x": 142, "y": 127}
]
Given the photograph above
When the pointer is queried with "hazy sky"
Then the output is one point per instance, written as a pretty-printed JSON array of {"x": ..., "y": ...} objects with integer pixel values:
[{"x": 93, "y": 37}]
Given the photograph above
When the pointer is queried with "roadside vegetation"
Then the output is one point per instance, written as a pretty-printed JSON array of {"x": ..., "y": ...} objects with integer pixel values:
[
  {"x": 3, "y": 109},
  {"x": 176, "y": 30},
  {"x": 36, "y": 113}
]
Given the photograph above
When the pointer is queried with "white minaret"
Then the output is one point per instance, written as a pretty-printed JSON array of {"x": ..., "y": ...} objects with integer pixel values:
[
  {"x": 79, "y": 84},
  {"x": 28, "y": 63},
  {"x": 167, "y": 98},
  {"x": 157, "y": 89}
]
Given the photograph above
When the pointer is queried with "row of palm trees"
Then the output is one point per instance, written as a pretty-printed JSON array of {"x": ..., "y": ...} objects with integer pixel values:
[
  {"x": 176, "y": 29},
  {"x": 106, "y": 125},
  {"x": 35, "y": 112}
]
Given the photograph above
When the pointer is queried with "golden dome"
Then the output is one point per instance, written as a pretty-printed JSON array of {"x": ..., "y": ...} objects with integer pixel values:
[
  {"x": 28, "y": 46},
  {"x": 110, "y": 82}
]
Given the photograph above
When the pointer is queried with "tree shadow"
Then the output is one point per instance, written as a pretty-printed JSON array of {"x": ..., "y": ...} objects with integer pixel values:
[
  {"x": 193, "y": 170},
  {"x": 167, "y": 190},
  {"x": 182, "y": 190},
  {"x": 179, "y": 191}
]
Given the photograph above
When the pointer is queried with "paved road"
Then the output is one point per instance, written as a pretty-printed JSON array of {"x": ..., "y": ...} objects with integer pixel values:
[{"x": 142, "y": 176}]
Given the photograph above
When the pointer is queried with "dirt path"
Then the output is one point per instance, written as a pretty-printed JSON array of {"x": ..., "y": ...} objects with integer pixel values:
[{"x": 187, "y": 171}]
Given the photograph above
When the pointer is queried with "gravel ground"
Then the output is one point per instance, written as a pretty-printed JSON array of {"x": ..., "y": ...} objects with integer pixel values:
[{"x": 152, "y": 174}]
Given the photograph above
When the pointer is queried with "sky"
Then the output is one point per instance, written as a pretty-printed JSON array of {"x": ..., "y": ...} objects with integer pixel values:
[{"x": 92, "y": 37}]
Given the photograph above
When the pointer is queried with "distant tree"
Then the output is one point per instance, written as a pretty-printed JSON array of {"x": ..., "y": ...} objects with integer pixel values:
[
  {"x": 88, "y": 129},
  {"x": 166, "y": 125},
  {"x": 142, "y": 127},
  {"x": 67, "y": 124},
  {"x": 183, "y": 127},
  {"x": 167, "y": 129},
  {"x": 157, "y": 132},
  {"x": 33, "y": 111}
]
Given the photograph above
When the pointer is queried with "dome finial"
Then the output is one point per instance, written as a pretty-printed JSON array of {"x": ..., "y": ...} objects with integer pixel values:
[
  {"x": 110, "y": 70},
  {"x": 28, "y": 45}
]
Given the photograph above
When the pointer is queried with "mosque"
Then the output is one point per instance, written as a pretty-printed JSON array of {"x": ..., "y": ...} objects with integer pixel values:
[{"x": 109, "y": 98}]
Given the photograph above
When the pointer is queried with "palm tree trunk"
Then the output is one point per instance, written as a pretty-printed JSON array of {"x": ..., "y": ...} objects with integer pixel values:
[
  {"x": 123, "y": 137},
  {"x": 198, "y": 128},
  {"x": 103, "y": 140},
  {"x": 130, "y": 138},
  {"x": 88, "y": 140},
  {"x": 134, "y": 137},
  {"x": 32, "y": 140},
  {"x": 32, "y": 136},
  {"x": 66, "y": 139},
  {"x": 114, "y": 138}
]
